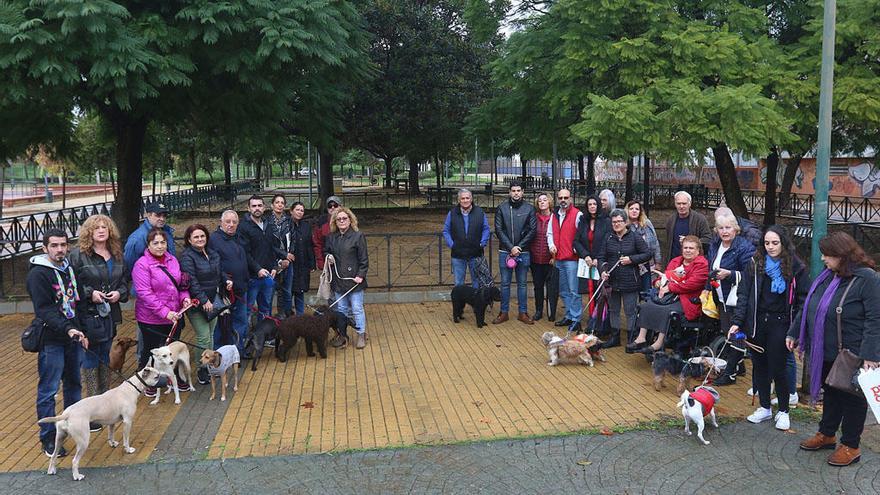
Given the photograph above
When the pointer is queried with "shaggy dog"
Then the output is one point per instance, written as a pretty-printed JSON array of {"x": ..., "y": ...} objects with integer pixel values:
[
  {"x": 577, "y": 349},
  {"x": 672, "y": 364},
  {"x": 313, "y": 328},
  {"x": 479, "y": 299},
  {"x": 265, "y": 329}
]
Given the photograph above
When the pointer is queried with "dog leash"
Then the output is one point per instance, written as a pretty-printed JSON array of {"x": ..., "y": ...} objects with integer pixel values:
[
  {"x": 107, "y": 364},
  {"x": 326, "y": 261},
  {"x": 597, "y": 289},
  {"x": 183, "y": 309}
]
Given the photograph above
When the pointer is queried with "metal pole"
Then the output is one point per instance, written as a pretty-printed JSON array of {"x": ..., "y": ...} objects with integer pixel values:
[
  {"x": 554, "y": 178},
  {"x": 823, "y": 157},
  {"x": 476, "y": 161}
]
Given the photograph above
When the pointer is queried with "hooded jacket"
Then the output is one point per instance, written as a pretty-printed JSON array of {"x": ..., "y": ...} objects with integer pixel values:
[
  {"x": 205, "y": 277},
  {"x": 48, "y": 298},
  {"x": 735, "y": 259},
  {"x": 690, "y": 286},
  {"x": 750, "y": 287},
  {"x": 157, "y": 295}
]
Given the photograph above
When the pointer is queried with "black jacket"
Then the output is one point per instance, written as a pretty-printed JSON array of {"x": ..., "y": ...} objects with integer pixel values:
[
  {"x": 515, "y": 225},
  {"x": 261, "y": 244},
  {"x": 350, "y": 252},
  {"x": 624, "y": 278},
  {"x": 601, "y": 231},
  {"x": 205, "y": 276},
  {"x": 91, "y": 274},
  {"x": 234, "y": 263},
  {"x": 46, "y": 296},
  {"x": 860, "y": 317},
  {"x": 304, "y": 253},
  {"x": 750, "y": 287}
]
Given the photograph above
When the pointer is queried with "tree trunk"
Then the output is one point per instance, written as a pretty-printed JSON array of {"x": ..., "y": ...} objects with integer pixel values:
[
  {"x": 791, "y": 168},
  {"x": 325, "y": 172},
  {"x": 2, "y": 189},
  {"x": 591, "y": 173},
  {"x": 112, "y": 181},
  {"x": 64, "y": 188},
  {"x": 259, "y": 175},
  {"x": 130, "y": 134},
  {"x": 192, "y": 167},
  {"x": 729, "y": 181},
  {"x": 388, "y": 170},
  {"x": 580, "y": 159},
  {"x": 525, "y": 169},
  {"x": 227, "y": 168},
  {"x": 438, "y": 170},
  {"x": 153, "y": 190},
  {"x": 630, "y": 169},
  {"x": 413, "y": 176},
  {"x": 770, "y": 189},
  {"x": 646, "y": 191}
]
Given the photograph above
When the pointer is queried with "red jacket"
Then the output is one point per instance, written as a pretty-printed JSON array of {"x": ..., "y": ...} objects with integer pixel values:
[
  {"x": 690, "y": 285},
  {"x": 705, "y": 398}
]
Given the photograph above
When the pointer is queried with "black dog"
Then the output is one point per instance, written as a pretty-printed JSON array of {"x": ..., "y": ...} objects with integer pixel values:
[
  {"x": 478, "y": 299},
  {"x": 265, "y": 329}
]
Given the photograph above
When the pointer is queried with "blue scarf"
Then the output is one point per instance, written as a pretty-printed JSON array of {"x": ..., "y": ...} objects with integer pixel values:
[{"x": 773, "y": 269}]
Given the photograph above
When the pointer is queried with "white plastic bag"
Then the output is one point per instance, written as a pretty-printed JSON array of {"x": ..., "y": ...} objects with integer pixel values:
[
  {"x": 870, "y": 383},
  {"x": 732, "y": 297}
]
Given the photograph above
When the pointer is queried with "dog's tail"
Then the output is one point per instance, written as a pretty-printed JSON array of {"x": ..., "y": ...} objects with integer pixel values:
[{"x": 54, "y": 419}]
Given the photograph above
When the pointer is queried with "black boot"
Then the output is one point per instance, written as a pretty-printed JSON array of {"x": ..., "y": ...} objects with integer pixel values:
[
  {"x": 613, "y": 340},
  {"x": 537, "y": 315}
]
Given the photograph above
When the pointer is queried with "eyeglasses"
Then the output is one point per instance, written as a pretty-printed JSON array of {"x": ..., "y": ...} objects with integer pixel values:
[
  {"x": 332, "y": 205},
  {"x": 340, "y": 219},
  {"x": 563, "y": 197},
  {"x": 618, "y": 221}
]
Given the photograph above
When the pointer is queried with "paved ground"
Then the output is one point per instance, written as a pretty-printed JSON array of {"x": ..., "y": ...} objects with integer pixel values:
[{"x": 742, "y": 458}]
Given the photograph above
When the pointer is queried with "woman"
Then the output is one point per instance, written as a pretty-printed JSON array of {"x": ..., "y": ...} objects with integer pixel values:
[
  {"x": 607, "y": 201},
  {"x": 619, "y": 260},
  {"x": 772, "y": 289},
  {"x": 284, "y": 279},
  {"x": 592, "y": 231},
  {"x": 542, "y": 266},
  {"x": 729, "y": 255},
  {"x": 100, "y": 271},
  {"x": 301, "y": 255},
  {"x": 639, "y": 223},
  {"x": 849, "y": 272},
  {"x": 349, "y": 249},
  {"x": 156, "y": 277},
  {"x": 686, "y": 277},
  {"x": 202, "y": 265}
]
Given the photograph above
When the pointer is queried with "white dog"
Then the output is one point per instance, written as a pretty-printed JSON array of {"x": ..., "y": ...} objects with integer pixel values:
[
  {"x": 109, "y": 408},
  {"x": 168, "y": 358},
  {"x": 696, "y": 406}
]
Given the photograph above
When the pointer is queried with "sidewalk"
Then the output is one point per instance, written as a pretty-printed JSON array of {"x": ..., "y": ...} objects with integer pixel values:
[{"x": 743, "y": 458}]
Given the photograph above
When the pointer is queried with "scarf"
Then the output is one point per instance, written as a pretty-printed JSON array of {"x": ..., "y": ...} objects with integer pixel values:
[
  {"x": 773, "y": 269},
  {"x": 817, "y": 343}
]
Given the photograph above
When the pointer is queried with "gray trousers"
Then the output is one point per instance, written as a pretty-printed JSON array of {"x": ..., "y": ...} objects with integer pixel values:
[{"x": 630, "y": 302}]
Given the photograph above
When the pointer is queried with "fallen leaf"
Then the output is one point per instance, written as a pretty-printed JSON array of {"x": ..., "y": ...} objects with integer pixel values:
[
  {"x": 790, "y": 430},
  {"x": 308, "y": 405},
  {"x": 485, "y": 420},
  {"x": 443, "y": 335},
  {"x": 497, "y": 345},
  {"x": 606, "y": 431},
  {"x": 584, "y": 462},
  {"x": 478, "y": 403}
]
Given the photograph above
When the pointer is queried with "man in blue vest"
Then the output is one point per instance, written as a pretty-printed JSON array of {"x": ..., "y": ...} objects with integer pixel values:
[{"x": 466, "y": 231}]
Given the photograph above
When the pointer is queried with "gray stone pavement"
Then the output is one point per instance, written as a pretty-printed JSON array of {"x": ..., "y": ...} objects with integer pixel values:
[{"x": 742, "y": 458}]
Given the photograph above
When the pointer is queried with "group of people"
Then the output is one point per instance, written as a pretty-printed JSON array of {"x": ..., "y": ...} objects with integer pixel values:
[
  {"x": 240, "y": 268},
  {"x": 763, "y": 293}
]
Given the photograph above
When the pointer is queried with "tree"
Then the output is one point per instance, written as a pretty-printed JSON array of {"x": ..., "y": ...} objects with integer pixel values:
[{"x": 137, "y": 63}]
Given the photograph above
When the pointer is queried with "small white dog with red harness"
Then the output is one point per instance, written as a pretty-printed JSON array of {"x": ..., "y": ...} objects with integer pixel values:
[{"x": 695, "y": 406}]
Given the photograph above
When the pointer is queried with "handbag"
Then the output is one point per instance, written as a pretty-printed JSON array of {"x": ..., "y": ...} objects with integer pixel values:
[
  {"x": 97, "y": 328},
  {"x": 667, "y": 299},
  {"x": 847, "y": 363},
  {"x": 324, "y": 290},
  {"x": 32, "y": 337},
  {"x": 709, "y": 307},
  {"x": 484, "y": 273},
  {"x": 732, "y": 297},
  {"x": 220, "y": 303}
]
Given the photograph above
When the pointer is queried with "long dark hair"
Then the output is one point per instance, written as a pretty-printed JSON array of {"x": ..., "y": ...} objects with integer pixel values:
[
  {"x": 587, "y": 206},
  {"x": 842, "y": 245},
  {"x": 788, "y": 256}
]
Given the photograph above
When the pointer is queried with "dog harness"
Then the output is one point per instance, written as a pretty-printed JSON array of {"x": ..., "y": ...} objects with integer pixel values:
[{"x": 705, "y": 398}]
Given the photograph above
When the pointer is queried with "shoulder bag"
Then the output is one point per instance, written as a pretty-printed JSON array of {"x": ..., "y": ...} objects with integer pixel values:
[
  {"x": 32, "y": 337},
  {"x": 847, "y": 363}
]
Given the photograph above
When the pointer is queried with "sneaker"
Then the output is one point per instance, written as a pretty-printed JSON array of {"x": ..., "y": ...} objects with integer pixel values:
[
  {"x": 792, "y": 400},
  {"x": 269, "y": 343},
  {"x": 752, "y": 392},
  {"x": 95, "y": 427},
  {"x": 150, "y": 391},
  {"x": 761, "y": 415},
  {"x": 49, "y": 448},
  {"x": 782, "y": 421},
  {"x": 724, "y": 380}
]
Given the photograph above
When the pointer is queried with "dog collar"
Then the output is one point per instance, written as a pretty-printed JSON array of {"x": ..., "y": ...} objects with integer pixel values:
[{"x": 138, "y": 375}]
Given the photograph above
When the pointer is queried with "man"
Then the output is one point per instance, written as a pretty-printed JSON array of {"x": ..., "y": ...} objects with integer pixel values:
[
  {"x": 515, "y": 226},
  {"x": 155, "y": 216},
  {"x": 321, "y": 230},
  {"x": 261, "y": 244},
  {"x": 466, "y": 231},
  {"x": 686, "y": 222},
  {"x": 53, "y": 290},
  {"x": 284, "y": 283},
  {"x": 560, "y": 238},
  {"x": 237, "y": 266}
]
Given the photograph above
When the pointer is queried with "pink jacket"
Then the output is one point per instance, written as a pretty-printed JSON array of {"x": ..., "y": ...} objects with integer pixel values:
[{"x": 156, "y": 294}]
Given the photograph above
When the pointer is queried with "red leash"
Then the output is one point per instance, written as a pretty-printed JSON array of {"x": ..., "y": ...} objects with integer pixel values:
[{"x": 192, "y": 303}]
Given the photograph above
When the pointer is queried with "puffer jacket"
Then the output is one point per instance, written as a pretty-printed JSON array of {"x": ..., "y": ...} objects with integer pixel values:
[
  {"x": 625, "y": 278},
  {"x": 205, "y": 276},
  {"x": 750, "y": 287},
  {"x": 735, "y": 259},
  {"x": 156, "y": 294},
  {"x": 350, "y": 252},
  {"x": 515, "y": 225}
]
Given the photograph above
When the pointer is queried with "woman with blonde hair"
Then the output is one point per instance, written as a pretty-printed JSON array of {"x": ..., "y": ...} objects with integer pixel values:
[
  {"x": 639, "y": 223},
  {"x": 348, "y": 249},
  {"x": 100, "y": 270}
]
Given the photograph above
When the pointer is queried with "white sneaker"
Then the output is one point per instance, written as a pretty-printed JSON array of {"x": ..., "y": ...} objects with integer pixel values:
[
  {"x": 760, "y": 415},
  {"x": 782, "y": 421},
  {"x": 792, "y": 400}
]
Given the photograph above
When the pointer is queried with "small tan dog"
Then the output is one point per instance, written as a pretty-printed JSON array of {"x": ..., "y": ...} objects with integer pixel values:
[
  {"x": 577, "y": 349},
  {"x": 218, "y": 363},
  {"x": 117, "y": 352},
  {"x": 166, "y": 359}
]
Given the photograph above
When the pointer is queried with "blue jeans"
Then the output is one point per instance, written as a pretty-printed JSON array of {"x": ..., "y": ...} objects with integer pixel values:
[
  {"x": 99, "y": 354},
  {"x": 568, "y": 290},
  {"x": 460, "y": 267},
  {"x": 283, "y": 286},
  {"x": 522, "y": 271},
  {"x": 352, "y": 306},
  {"x": 239, "y": 312},
  {"x": 57, "y": 363},
  {"x": 299, "y": 302},
  {"x": 260, "y": 294}
]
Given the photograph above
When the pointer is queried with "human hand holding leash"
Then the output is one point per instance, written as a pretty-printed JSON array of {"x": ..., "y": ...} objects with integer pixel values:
[
  {"x": 97, "y": 297},
  {"x": 78, "y": 336},
  {"x": 732, "y": 331},
  {"x": 113, "y": 296},
  {"x": 790, "y": 344},
  {"x": 870, "y": 365}
]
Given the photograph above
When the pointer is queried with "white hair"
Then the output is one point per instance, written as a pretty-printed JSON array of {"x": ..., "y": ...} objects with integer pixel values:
[
  {"x": 723, "y": 211},
  {"x": 726, "y": 221},
  {"x": 228, "y": 213},
  {"x": 612, "y": 201},
  {"x": 465, "y": 190},
  {"x": 685, "y": 194}
]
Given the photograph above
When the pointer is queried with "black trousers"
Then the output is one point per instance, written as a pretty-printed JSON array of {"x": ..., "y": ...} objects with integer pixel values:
[
  {"x": 545, "y": 275},
  {"x": 771, "y": 364},
  {"x": 842, "y": 410},
  {"x": 154, "y": 336}
]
